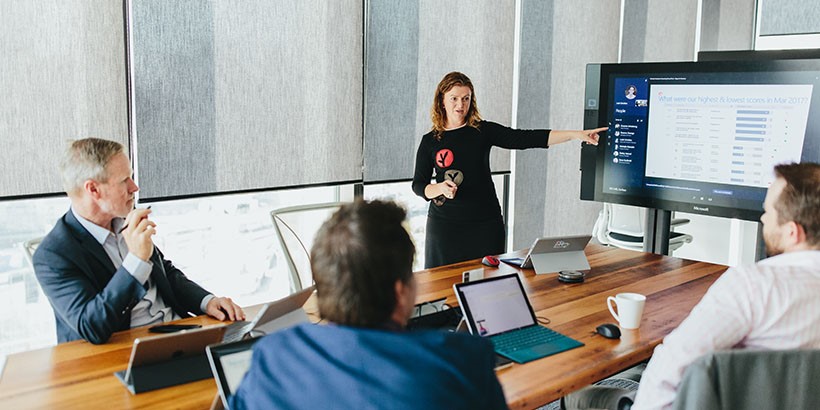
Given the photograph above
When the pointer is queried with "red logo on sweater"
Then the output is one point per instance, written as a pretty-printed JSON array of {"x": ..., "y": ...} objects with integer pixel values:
[{"x": 444, "y": 158}]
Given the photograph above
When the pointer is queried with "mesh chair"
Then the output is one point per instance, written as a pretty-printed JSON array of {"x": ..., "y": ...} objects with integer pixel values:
[
  {"x": 32, "y": 285},
  {"x": 296, "y": 227},
  {"x": 747, "y": 379},
  {"x": 622, "y": 226},
  {"x": 30, "y": 247}
]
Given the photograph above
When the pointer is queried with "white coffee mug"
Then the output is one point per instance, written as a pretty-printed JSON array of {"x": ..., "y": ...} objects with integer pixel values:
[{"x": 630, "y": 309}]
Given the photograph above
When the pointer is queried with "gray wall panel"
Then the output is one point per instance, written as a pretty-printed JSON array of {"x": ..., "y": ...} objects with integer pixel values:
[
  {"x": 535, "y": 79},
  {"x": 392, "y": 65},
  {"x": 476, "y": 38},
  {"x": 411, "y": 46},
  {"x": 237, "y": 95},
  {"x": 633, "y": 44},
  {"x": 173, "y": 66},
  {"x": 671, "y": 31},
  {"x": 789, "y": 17},
  {"x": 62, "y": 77},
  {"x": 659, "y": 31},
  {"x": 575, "y": 43},
  {"x": 727, "y": 25}
]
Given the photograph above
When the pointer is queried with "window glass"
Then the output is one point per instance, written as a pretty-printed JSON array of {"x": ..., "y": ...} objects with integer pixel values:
[
  {"x": 402, "y": 193},
  {"x": 26, "y": 321},
  {"x": 226, "y": 243}
]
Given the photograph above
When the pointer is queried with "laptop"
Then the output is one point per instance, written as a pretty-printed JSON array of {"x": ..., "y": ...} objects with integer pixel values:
[
  {"x": 168, "y": 360},
  {"x": 229, "y": 363},
  {"x": 498, "y": 309},
  {"x": 547, "y": 255},
  {"x": 273, "y": 316}
]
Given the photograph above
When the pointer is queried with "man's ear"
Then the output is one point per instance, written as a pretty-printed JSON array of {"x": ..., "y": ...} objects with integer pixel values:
[
  {"x": 398, "y": 287},
  {"x": 92, "y": 188},
  {"x": 795, "y": 232},
  {"x": 403, "y": 304}
]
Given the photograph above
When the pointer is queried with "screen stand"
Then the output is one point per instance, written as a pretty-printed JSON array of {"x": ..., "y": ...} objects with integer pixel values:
[
  {"x": 165, "y": 374},
  {"x": 656, "y": 237}
]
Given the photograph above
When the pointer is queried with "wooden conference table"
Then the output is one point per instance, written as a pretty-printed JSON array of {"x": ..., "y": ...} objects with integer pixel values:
[{"x": 79, "y": 374}]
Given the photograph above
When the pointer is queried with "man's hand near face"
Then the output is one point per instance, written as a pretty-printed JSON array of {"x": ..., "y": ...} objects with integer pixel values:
[{"x": 138, "y": 232}]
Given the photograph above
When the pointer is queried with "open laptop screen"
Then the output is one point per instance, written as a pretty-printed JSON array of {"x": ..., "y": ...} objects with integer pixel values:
[
  {"x": 229, "y": 363},
  {"x": 495, "y": 305}
]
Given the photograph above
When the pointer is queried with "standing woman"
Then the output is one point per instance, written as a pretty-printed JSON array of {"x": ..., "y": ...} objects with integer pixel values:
[{"x": 464, "y": 219}]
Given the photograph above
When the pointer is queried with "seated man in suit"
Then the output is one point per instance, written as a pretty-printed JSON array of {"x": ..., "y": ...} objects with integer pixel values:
[
  {"x": 362, "y": 262},
  {"x": 772, "y": 304},
  {"x": 99, "y": 267}
]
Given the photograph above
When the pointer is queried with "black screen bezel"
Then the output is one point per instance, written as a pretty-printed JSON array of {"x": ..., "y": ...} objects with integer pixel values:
[{"x": 606, "y": 90}]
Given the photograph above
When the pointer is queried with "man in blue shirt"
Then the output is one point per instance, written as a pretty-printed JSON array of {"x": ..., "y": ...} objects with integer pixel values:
[{"x": 362, "y": 358}]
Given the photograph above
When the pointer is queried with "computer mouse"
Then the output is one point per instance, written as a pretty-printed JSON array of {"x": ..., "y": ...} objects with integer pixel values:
[
  {"x": 609, "y": 331},
  {"x": 490, "y": 261}
]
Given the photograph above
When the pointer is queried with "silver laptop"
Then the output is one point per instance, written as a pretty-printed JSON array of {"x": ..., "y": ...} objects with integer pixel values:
[
  {"x": 229, "y": 363},
  {"x": 273, "y": 316},
  {"x": 168, "y": 360},
  {"x": 548, "y": 255}
]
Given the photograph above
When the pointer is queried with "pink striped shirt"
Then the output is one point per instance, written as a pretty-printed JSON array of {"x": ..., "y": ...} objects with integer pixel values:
[{"x": 774, "y": 304}]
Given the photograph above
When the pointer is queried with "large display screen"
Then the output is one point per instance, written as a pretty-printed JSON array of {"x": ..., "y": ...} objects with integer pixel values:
[{"x": 704, "y": 137}]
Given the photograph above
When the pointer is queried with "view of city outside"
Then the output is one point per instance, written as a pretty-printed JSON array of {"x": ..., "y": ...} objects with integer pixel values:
[{"x": 226, "y": 243}]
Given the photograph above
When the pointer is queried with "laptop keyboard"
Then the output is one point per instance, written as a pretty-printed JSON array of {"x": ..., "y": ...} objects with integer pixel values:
[
  {"x": 236, "y": 330},
  {"x": 524, "y": 338}
]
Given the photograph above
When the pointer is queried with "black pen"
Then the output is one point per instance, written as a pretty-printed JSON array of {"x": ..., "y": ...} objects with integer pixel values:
[{"x": 126, "y": 225}]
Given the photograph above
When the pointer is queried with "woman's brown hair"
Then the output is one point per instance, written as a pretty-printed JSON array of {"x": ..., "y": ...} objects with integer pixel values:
[{"x": 437, "y": 113}]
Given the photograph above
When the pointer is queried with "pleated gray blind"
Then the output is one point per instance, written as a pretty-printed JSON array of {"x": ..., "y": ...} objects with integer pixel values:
[
  {"x": 241, "y": 95},
  {"x": 575, "y": 43},
  {"x": 411, "y": 45},
  {"x": 62, "y": 77},
  {"x": 782, "y": 17},
  {"x": 658, "y": 31}
]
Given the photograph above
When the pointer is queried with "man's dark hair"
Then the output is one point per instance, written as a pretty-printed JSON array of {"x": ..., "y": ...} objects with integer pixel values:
[
  {"x": 800, "y": 199},
  {"x": 357, "y": 257}
]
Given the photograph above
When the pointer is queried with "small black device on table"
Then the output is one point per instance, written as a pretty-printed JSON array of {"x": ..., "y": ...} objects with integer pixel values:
[
  {"x": 445, "y": 319},
  {"x": 172, "y": 328}
]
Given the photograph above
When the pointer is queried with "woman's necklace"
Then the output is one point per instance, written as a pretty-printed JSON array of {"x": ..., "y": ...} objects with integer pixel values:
[{"x": 455, "y": 128}]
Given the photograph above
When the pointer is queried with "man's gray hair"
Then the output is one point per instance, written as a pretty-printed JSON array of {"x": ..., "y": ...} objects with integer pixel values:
[{"x": 86, "y": 159}]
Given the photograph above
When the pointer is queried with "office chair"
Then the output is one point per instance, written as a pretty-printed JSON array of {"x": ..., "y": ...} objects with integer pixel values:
[
  {"x": 32, "y": 286},
  {"x": 749, "y": 379},
  {"x": 622, "y": 226},
  {"x": 30, "y": 247},
  {"x": 300, "y": 225}
]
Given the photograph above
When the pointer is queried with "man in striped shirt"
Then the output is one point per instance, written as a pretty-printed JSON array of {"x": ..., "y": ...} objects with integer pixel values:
[{"x": 772, "y": 304}]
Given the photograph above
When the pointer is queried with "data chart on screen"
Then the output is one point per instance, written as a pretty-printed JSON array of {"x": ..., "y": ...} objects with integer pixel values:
[{"x": 728, "y": 134}]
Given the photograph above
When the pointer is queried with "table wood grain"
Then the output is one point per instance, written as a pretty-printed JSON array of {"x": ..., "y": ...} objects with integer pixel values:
[{"x": 80, "y": 375}]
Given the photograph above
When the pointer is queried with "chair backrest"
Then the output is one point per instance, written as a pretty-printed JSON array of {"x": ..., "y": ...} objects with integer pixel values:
[
  {"x": 296, "y": 226},
  {"x": 30, "y": 247},
  {"x": 621, "y": 220},
  {"x": 623, "y": 226},
  {"x": 626, "y": 220},
  {"x": 744, "y": 379}
]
